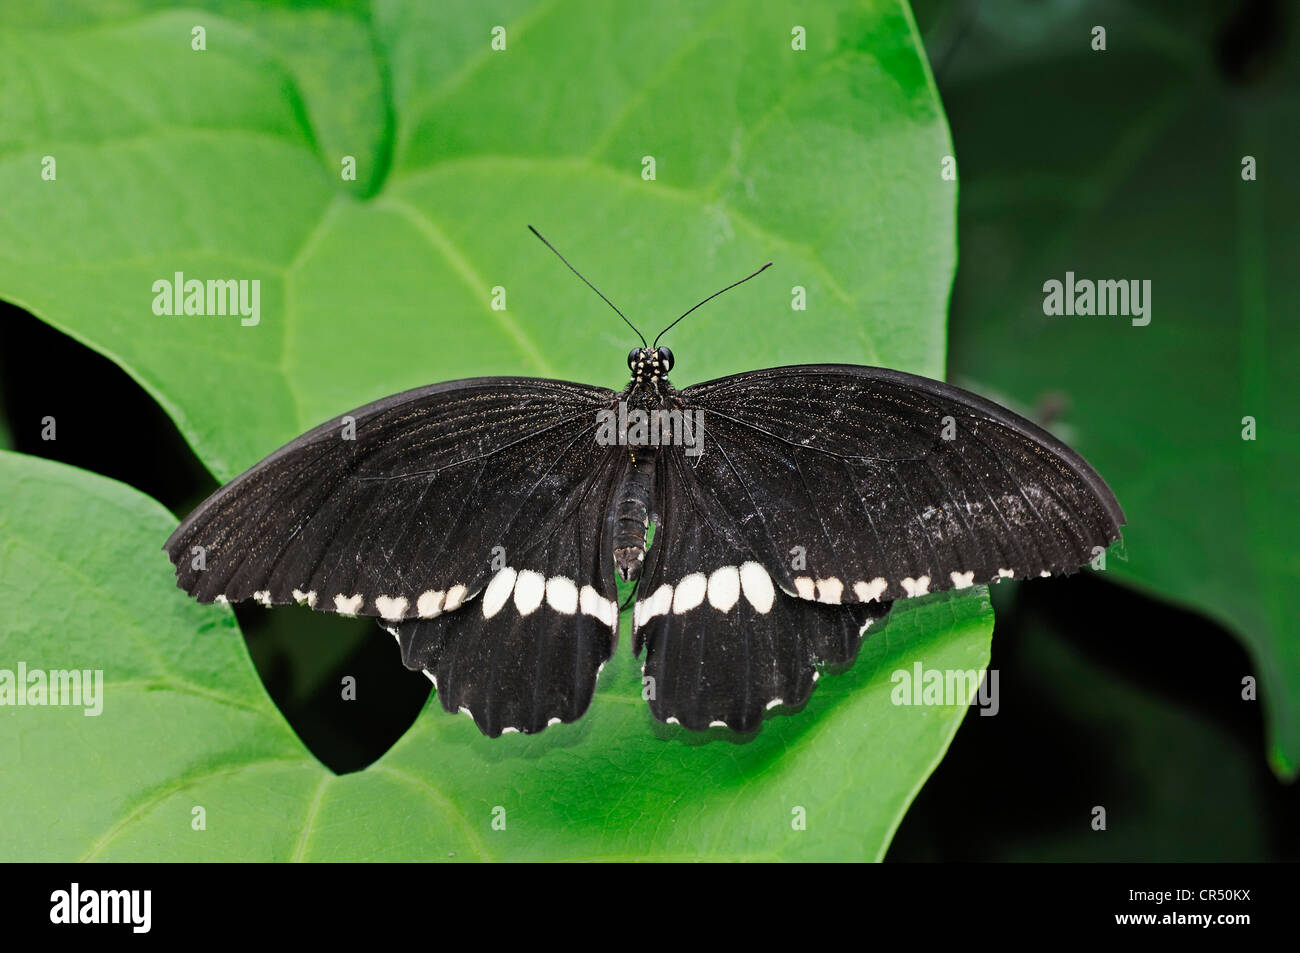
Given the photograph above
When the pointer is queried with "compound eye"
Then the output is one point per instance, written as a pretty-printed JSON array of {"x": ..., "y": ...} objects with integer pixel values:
[
  {"x": 632, "y": 356},
  {"x": 665, "y": 359}
]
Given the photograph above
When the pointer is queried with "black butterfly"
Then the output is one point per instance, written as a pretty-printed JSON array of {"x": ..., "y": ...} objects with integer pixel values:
[{"x": 484, "y": 522}]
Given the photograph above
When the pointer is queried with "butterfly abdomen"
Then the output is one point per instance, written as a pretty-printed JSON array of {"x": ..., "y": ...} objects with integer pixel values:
[{"x": 632, "y": 505}]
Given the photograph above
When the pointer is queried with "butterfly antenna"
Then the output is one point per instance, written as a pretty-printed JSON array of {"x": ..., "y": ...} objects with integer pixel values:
[
  {"x": 710, "y": 298},
  {"x": 588, "y": 283}
]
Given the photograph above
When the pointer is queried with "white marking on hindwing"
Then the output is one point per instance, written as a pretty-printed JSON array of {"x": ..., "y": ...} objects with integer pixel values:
[
  {"x": 870, "y": 591},
  {"x": 391, "y": 608},
  {"x": 963, "y": 580},
  {"x": 916, "y": 587},
  {"x": 301, "y": 597},
  {"x": 1044, "y": 574},
  {"x": 805, "y": 587},
  {"x": 530, "y": 587},
  {"x": 660, "y": 601},
  {"x": 1006, "y": 573},
  {"x": 497, "y": 592},
  {"x": 429, "y": 604},
  {"x": 263, "y": 596},
  {"x": 689, "y": 592},
  {"x": 562, "y": 594},
  {"x": 221, "y": 600},
  {"x": 724, "y": 588},
  {"x": 347, "y": 605},
  {"x": 830, "y": 590},
  {"x": 455, "y": 596},
  {"x": 756, "y": 584},
  {"x": 773, "y": 703},
  {"x": 717, "y": 724},
  {"x": 597, "y": 606}
]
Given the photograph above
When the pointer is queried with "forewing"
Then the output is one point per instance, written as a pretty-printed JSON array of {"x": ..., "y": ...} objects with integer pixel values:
[
  {"x": 858, "y": 484},
  {"x": 404, "y": 508}
]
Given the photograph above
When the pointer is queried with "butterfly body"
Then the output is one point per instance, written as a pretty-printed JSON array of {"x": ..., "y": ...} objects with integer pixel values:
[{"x": 633, "y": 511}]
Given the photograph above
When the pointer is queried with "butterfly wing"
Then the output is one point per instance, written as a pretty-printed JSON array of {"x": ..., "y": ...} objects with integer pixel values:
[
  {"x": 467, "y": 516},
  {"x": 823, "y": 493},
  {"x": 526, "y": 653},
  {"x": 871, "y": 484},
  {"x": 723, "y": 643}
]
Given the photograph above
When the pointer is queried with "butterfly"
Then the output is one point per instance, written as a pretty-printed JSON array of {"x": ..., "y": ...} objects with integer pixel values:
[{"x": 485, "y": 523}]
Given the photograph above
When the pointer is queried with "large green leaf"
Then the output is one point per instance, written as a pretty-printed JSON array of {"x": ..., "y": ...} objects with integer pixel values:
[
  {"x": 225, "y": 163},
  {"x": 1127, "y": 164},
  {"x": 185, "y": 724}
]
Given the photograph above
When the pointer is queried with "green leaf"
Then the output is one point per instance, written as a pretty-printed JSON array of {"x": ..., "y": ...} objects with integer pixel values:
[
  {"x": 183, "y": 711},
  {"x": 185, "y": 724},
  {"x": 1127, "y": 164},
  {"x": 226, "y": 163}
]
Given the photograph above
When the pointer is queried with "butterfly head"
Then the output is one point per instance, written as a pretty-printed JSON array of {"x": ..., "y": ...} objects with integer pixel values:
[{"x": 649, "y": 363}]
